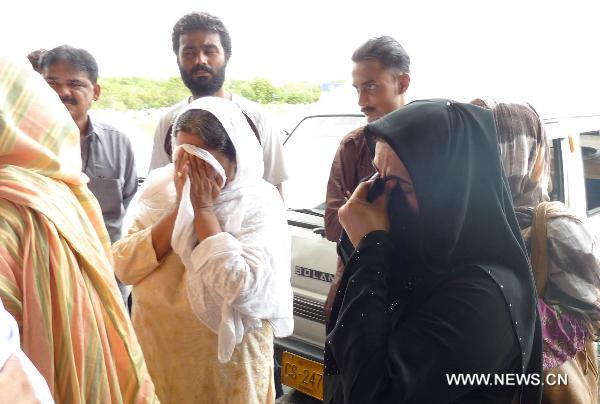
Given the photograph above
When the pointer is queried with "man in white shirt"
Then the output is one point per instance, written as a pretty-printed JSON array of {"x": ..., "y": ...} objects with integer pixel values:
[{"x": 203, "y": 48}]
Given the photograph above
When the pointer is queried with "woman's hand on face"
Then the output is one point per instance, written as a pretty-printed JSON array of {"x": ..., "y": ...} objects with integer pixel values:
[
  {"x": 182, "y": 167},
  {"x": 359, "y": 217},
  {"x": 205, "y": 188}
]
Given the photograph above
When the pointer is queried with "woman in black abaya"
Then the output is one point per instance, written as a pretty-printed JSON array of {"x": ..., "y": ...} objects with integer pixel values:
[{"x": 439, "y": 283}]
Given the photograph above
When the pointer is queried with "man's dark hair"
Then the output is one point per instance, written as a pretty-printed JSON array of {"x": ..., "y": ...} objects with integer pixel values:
[
  {"x": 201, "y": 22},
  {"x": 35, "y": 58},
  {"x": 208, "y": 128},
  {"x": 386, "y": 50},
  {"x": 80, "y": 59}
]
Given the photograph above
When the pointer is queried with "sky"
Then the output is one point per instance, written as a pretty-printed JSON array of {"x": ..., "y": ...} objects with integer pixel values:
[{"x": 544, "y": 52}]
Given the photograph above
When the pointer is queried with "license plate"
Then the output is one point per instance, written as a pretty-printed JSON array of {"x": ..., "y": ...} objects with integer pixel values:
[{"x": 302, "y": 374}]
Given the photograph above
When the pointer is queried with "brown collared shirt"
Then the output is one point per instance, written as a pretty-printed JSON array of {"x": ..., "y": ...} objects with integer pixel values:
[{"x": 352, "y": 163}]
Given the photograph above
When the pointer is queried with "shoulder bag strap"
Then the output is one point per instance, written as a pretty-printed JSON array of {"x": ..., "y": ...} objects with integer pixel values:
[{"x": 539, "y": 247}]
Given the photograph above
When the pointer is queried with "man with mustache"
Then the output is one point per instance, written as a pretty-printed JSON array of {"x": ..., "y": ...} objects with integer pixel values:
[
  {"x": 203, "y": 47},
  {"x": 106, "y": 153},
  {"x": 381, "y": 77}
]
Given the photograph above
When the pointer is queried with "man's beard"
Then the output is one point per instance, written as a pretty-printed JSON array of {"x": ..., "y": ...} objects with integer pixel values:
[{"x": 204, "y": 85}]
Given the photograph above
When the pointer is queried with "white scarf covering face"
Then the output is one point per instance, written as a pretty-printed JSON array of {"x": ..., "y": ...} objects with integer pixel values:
[
  {"x": 204, "y": 155},
  {"x": 240, "y": 277}
]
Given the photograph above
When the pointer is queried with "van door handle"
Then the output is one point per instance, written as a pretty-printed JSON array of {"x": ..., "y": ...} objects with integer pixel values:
[{"x": 320, "y": 231}]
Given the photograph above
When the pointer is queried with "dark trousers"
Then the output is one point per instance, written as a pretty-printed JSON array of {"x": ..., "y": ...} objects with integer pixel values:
[{"x": 277, "y": 375}]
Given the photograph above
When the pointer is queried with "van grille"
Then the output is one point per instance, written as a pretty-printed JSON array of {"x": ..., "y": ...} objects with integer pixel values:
[{"x": 309, "y": 309}]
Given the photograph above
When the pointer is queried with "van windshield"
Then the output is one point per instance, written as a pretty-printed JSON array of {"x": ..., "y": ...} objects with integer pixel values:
[{"x": 309, "y": 152}]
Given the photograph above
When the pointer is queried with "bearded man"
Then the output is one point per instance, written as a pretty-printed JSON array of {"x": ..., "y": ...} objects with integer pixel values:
[{"x": 203, "y": 47}]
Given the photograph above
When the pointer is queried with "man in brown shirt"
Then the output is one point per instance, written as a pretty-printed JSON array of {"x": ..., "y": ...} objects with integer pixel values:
[{"x": 381, "y": 77}]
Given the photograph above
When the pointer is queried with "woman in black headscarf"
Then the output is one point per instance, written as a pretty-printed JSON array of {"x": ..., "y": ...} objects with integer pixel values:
[{"x": 439, "y": 283}]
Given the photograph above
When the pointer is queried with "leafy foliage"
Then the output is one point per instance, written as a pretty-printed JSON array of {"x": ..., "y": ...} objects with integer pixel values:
[
  {"x": 138, "y": 93},
  {"x": 262, "y": 91},
  {"x": 123, "y": 93}
]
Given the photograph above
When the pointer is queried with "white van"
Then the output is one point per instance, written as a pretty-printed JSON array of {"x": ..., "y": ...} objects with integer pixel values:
[{"x": 309, "y": 151}]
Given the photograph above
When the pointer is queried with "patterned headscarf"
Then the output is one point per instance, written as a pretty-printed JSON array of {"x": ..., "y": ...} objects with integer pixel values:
[
  {"x": 523, "y": 149},
  {"x": 45, "y": 142}
]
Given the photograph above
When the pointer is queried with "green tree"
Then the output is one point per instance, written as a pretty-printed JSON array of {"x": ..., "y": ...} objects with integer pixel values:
[{"x": 123, "y": 93}]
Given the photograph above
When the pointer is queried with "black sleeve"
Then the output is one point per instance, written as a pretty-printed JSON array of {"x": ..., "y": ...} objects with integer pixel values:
[{"x": 462, "y": 327}]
